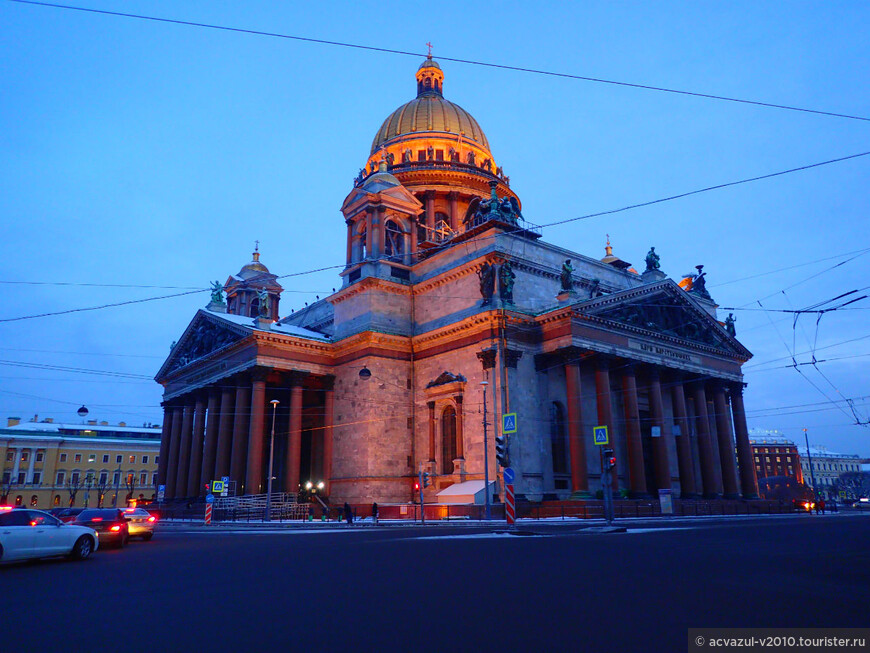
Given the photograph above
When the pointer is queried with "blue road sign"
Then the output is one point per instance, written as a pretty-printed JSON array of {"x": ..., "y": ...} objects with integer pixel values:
[
  {"x": 599, "y": 435},
  {"x": 509, "y": 475},
  {"x": 209, "y": 498},
  {"x": 509, "y": 423},
  {"x": 226, "y": 480}
]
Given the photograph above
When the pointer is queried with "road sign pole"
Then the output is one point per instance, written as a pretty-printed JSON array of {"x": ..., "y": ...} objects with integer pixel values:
[
  {"x": 208, "y": 514},
  {"x": 422, "y": 505},
  {"x": 488, "y": 513}
]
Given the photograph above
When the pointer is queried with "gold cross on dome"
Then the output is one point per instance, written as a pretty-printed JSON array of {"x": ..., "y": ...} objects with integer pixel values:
[
  {"x": 430, "y": 49},
  {"x": 256, "y": 245}
]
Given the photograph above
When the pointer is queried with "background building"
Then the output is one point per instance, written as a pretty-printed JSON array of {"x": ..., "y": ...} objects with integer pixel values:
[
  {"x": 827, "y": 468},
  {"x": 774, "y": 455},
  {"x": 48, "y": 464}
]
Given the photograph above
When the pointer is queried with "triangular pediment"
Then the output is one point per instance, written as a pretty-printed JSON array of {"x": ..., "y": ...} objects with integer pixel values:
[
  {"x": 663, "y": 311},
  {"x": 204, "y": 335}
]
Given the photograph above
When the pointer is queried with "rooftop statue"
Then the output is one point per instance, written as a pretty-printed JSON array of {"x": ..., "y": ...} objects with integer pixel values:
[
  {"x": 699, "y": 283},
  {"x": 506, "y": 278},
  {"x": 486, "y": 273},
  {"x": 217, "y": 293},
  {"x": 652, "y": 260},
  {"x": 729, "y": 325},
  {"x": 567, "y": 280},
  {"x": 263, "y": 303}
]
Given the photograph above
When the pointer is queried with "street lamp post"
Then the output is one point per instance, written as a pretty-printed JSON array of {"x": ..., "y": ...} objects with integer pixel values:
[
  {"x": 812, "y": 473},
  {"x": 488, "y": 513},
  {"x": 274, "y": 403}
]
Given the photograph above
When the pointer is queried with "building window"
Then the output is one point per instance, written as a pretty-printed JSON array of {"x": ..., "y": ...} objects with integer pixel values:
[
  {"x": 92, "y": 457},
  {"x": 39, "y": 456},
  {"x": 25, "y": 456},
  {"x": 131, "y": 478},
  {"x": 104, "y": 478},
  {"x": 116, "y": 478},
  {"x": 56, "y": 501},
  {"x": 21, "y": 477},
  {"x": 19, "y": 500},
  {"x": 143, "y": 478},
  {"x": 6, "y": 476},
  {"x": 778, "y": 459},
  {"x": 61, "y": 477},
  {"x": 132, "y": 460},
  {"x": 37, "y": 478},
  {"x": 156, "y": 460},
  {"x": 757, "y": 459},
  {"x": 439, "y": 155},
  {"x": 63, "y": 457},
  {"x": 154, "y": 478},
  {"x": 77, "y": 458},
  {"x": 74, "y": 478},
  {"x": 421, "y": 155},
  {"x": 10, "y": 456},
  {"x": 395, "y": 245},
  {"x": 105, "y": 458},
  {"x": 118, "y": 459},
  {"x": 33, "y": 501},
  {"x": 448, "y": 439}
]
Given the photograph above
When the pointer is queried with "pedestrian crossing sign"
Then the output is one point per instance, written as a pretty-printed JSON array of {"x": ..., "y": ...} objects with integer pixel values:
[
  {"x": 599, "y": 435},
  {"x": 217, "y": 487},
  {"x": 509, "y": 423}
]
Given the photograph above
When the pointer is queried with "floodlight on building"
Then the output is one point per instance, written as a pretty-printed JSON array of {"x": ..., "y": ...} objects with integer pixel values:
[
  {"x": 83, "y": 411},
  {"x": 365, "y": 374}
]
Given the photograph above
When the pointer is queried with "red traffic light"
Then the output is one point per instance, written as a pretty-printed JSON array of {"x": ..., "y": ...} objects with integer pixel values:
[{"x": 416, "y": 486}]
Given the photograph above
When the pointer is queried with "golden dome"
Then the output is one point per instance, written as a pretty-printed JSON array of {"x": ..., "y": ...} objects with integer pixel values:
[
  {"x": 429, "y": 112},
  {"x": 254, "y": 266}
]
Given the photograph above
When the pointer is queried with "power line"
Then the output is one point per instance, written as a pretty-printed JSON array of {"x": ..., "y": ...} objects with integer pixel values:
[{"x": 472, "y": 62}]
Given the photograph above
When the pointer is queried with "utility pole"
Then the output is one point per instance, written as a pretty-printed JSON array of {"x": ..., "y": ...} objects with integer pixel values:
[
  {"x": 812, "y": 473},
  {"x": 274, "y": 403},
  {"x": 488, "y": 513}
]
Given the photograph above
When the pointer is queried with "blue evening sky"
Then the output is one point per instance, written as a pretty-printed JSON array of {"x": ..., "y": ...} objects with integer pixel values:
[{"x": 142, "y": 153}]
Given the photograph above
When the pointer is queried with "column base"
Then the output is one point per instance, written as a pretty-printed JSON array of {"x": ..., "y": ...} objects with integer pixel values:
[
  {"x": 731, "y": 497},
  {"x": 711, "y": 496},
  {"x": 751, "y": 497}
]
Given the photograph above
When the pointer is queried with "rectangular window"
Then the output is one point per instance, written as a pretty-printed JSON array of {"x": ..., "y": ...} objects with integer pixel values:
[
  {"x": 143, "y": 478},
  {"x": 439, "y": 155},
  {"x": 154, "y": 478},
  {"x": 104, "y": 478},
  {"x": 116, "y": 478},
  {"x": 61, "y": 477},
  {"x": 130, "y": 478},
  {"x": 105, "y": 457},
  {"x": 6, "y": 476},
  {"x": 40, "y": 456},
  {"x": 421, "y": 155},
  {"x": 156, "y": 460},
  {"x": 21, "y": 477},
  {"x": 144, "y": 460},
  {"x": 757, "y": 459},
  {"x": 77, "y": 458},
  {"x": 778, "y": 459},
  {"x": 132, "y": 460},
  {"x": 118, "y": 459},
  {"x": 10, "y": 456},
  {"x": 63, "y": 457},
  {"x": 25, "y": 456},
  {"x": 74, "y": 478},
  {"x": 37, "y": 478},
  {"x": 92, "y": 457}
]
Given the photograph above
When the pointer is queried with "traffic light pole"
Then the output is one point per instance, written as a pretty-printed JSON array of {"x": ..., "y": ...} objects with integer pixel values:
[
  {"x": 488, "y": 514},
  {"x": 607, "y": 486},
  {"x": 422, "y": 505}
]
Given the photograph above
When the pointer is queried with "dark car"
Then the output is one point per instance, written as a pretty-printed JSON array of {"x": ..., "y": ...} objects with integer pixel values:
[
  {"x": 110, "y": 524},
  {"x": 67, "y": 514}
]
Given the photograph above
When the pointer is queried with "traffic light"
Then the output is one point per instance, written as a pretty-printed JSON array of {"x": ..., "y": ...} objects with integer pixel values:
[
  {"x": 416, "y": 487},
  {"x": 207, "y": 487},
  {"x": 425, "y": 477},
  {"x": 609, "y": 459},
  {"x": 501, "y": 450}
]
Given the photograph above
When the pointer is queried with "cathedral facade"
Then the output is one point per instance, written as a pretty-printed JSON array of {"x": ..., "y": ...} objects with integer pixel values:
[{"x": 451, "y": 300}]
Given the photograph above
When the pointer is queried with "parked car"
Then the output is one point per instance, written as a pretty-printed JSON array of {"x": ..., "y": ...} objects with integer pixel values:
[
  {"x": 140, "y": 522},
  {"x": 862, "y": 504},
  {"x": 109, "y": 523},
  {"x": 68, "y": 514},
  {"x": 36, "y": 534}
]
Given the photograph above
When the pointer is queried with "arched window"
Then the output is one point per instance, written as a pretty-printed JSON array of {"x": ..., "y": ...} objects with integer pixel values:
[
  {"x": 19, "y": 500},
  {"x": 56, "y": 501},
  {"x": 448, "y": 439},
  {"x": 363, "y": 253},
  {"x": 33, "y": 501},
  {"x": 255, "y": 307},
  {"x": 394, "y": 248},
  {"x": 558, "y": 441}
]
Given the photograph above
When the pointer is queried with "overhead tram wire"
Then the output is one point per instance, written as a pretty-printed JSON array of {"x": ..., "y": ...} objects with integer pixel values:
[{"x": 471, "y": 62}]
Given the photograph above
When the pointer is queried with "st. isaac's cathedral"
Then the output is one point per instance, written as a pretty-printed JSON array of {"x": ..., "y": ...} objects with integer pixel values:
[{"x": 449, "y": 298}]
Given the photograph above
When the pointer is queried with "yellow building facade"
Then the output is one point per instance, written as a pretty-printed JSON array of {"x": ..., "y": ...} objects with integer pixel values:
[{"x": 47, "y": 464}]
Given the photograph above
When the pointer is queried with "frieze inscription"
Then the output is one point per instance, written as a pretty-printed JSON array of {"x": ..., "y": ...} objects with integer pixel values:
[{"x": 664, "y": 352}]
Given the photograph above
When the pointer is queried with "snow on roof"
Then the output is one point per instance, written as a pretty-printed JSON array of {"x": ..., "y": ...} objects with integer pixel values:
[
  {"x": 274, "y": 327},
  {"x": 57, "y": 427},
  {"x": 824, "y": 453}
]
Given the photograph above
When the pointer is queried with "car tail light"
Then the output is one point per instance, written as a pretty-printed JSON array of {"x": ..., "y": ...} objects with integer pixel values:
[
  {"x": 152, "y": 519},
  {"x": 115, "y": 528},
  {"x": 5, "y": 507},
  {"x": 97, "y": 519}
]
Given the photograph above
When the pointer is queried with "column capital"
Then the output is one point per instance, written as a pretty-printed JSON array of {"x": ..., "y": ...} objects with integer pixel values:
[
  {"x": 328, "y": 381},
  {"x": 487, "y": 358},
  {"x": 512, "y": 357},
  {"x": 296, "y": 378},
  {"x": 260, "y": 373}
]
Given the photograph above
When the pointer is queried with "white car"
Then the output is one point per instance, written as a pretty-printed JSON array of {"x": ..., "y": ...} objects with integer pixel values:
[{"x": 36, "y": 534}]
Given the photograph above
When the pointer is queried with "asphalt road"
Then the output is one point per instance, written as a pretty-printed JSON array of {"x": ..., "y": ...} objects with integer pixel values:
[{"x": 436, "y": 589}]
